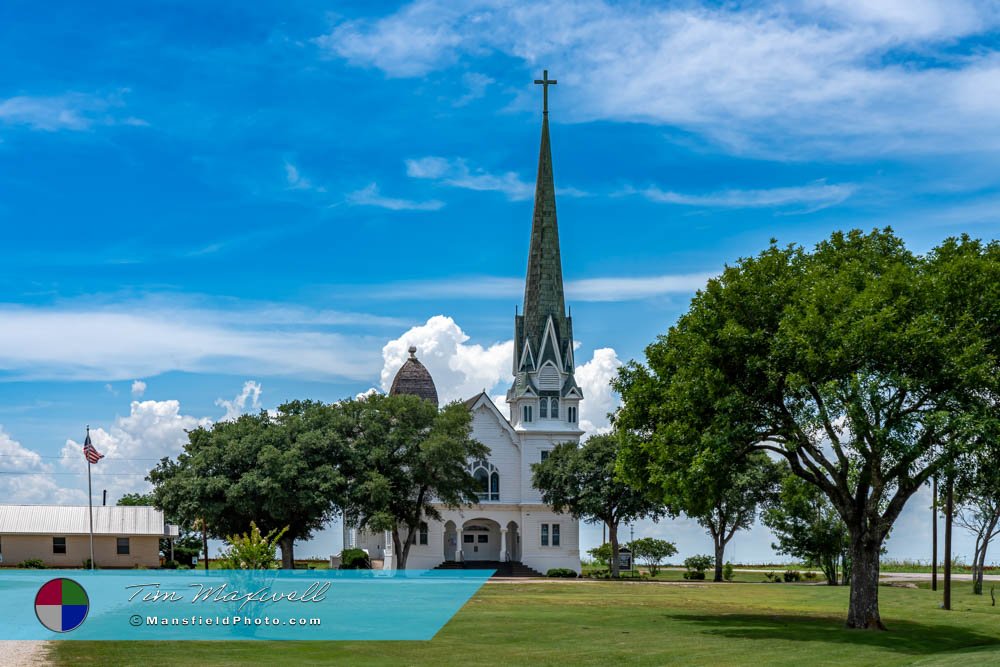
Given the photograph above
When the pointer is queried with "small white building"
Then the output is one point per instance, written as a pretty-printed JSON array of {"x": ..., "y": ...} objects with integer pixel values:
[
  {"x": 59, "y": 535},
  {"x": 510, "y": 523}
]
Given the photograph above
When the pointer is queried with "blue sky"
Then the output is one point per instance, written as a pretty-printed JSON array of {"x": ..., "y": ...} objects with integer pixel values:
[{"x": 198, "y": 196}]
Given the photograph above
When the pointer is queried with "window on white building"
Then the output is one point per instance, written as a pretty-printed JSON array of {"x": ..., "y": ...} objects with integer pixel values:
[
  {"x": 423, "y": 533},
  {"x": 543, "y": 408},
  {"x": 550, "y": 534},
  {"x": 554, "y": 408},
  {"x": 545, "y": 454},
  {"x": 571, "y": 414},
  {"x": 526, "y": 413}
]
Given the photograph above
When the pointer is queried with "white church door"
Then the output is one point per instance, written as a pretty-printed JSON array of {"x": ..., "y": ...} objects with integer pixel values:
[{"x": 481, "y": 540}]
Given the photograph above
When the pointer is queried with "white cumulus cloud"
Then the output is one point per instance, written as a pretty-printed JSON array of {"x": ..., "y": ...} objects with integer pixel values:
[
  {"x": 462, "y": 370},
  {"x": 138, "y": 388}
]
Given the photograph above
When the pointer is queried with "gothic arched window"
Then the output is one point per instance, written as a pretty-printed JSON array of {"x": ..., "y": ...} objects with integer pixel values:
[{"x": 487, "y": 478}]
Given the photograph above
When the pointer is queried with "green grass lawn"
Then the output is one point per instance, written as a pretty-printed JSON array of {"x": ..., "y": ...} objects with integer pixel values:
[{"x": 604, "y": 623}]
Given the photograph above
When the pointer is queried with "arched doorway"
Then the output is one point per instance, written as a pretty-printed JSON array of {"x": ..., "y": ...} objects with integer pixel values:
[
  {"x": 513, "y": 541},
  {"x": 481, "y": 540},
  {"x": 450, "y": 541}
]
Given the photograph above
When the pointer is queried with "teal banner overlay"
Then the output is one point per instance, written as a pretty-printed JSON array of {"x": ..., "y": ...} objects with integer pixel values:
[{"x": 158, "y": 605}]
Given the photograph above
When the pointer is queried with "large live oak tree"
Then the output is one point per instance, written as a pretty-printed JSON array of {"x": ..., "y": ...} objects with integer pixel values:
[
  {"x": 867, "y": 368},
  {"x": 277, "y": 470}
]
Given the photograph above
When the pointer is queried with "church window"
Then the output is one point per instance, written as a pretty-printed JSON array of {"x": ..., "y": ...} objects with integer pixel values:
[
  {"x": 545, "y": 454},
  {"x": 545, "y": 534},
  {"x": 543, "y": 409},
  {"x": 571, "y": 415},
  {"x": 555, "y": 534},
  {"x": 527, "y": 413},
  {"x": 487, "y": 479},
  {"x": 554, "y": 409},
  {"x": 423, "y": 533}
]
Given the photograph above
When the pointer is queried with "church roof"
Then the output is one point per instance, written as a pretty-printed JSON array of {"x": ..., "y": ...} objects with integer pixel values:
[{"x": 414, "y": 379}]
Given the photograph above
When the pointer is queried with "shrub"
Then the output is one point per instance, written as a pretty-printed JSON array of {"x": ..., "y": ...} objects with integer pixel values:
[
  {"x": 696, "y": 566},
  {"x": 33, "y": 564},
  {"x": 727, "y": 571},
  {"x": 809, "y": 574},
  {"x": 599, "y": 574},
  {"x": 792, "y": 575},
  {"x": 772, "y": 577},
  {"x": 563, "y": 572},
  {"x": 251, "y": 551},
  {"x": 170, "y": 565},
  {"x": 354, "y": 559}
]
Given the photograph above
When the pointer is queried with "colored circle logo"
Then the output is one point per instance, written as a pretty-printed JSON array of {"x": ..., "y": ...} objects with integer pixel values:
[{"x": 61, "y": 605}]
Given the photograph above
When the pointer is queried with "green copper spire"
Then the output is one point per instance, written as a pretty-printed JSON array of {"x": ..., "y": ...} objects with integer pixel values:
[{"x": 543, "y": 289}]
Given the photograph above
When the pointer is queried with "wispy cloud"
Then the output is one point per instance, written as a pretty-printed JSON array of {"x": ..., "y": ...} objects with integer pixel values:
[
  {"x": 475, "y": 87},
  {"x": 456, "y": 173},
  {"x": 587, "y": 289},
  {"x": 70, "y": 341},
  {"x": 806, "y": 198},
  {"x": 71, "y": 111},
  {"x": 788, "y": 79},
  {"x": 370, "y": 196},
  {"x": 296, "y": 181}
]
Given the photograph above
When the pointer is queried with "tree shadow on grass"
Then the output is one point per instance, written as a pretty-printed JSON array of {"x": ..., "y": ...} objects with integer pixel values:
[{"x": 902, "y": 637}]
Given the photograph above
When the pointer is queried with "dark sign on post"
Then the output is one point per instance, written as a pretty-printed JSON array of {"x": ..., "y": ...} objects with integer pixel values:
[{"x": 624, "y": 560}]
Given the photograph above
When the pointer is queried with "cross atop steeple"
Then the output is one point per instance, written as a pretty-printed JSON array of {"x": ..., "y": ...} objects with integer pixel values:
[{"x": 545, "y": 82}]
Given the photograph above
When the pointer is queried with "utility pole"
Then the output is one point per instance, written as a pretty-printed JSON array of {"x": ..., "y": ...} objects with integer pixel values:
[
  {"x": 949, "y": 506},
  {"x": 934, "y": 524}
]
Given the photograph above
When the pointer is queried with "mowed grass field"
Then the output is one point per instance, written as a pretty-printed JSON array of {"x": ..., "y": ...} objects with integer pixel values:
[{"x": 641, "y": 623}]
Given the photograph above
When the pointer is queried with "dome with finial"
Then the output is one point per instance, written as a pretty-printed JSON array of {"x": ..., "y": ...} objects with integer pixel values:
[{"x": 413, "y": 378}]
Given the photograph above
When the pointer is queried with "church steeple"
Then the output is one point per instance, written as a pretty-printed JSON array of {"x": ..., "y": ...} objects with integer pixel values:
[
  {"x": 543, "y": 334},
  {"x": 543, "y": 288}
]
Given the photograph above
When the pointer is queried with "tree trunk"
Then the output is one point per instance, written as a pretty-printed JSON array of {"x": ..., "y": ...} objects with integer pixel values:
[
  {"x": 287, "y": 552},
  {"x": 613, "y": 537},
  {"x": 401, "y": 549},
  {"x": 830, "y": 570},
  {"x": 720, "y": 550},
  {"x": 863, "y": 610}
]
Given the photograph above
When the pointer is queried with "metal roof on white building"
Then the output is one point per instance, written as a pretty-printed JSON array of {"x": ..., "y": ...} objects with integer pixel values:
[{"x": 73, "y": 520}]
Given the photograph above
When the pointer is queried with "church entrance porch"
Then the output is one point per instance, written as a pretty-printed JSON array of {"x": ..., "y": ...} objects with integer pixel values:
[{"x": 480, "y": 540}]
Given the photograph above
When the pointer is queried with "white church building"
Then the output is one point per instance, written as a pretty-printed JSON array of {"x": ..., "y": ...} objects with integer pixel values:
[{"x": 510, "y": 528}]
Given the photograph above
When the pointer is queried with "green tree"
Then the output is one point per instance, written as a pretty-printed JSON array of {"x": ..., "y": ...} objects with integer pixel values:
[
  {"x": 808, "y": 527},
  {"x": 276, "y": 470},
  {"x": 977, "y": 503},
  {"x": 867, "y": 368},
  {"x": 723, "y": 509},
  {"x": 582, "y": 480},
  {"x": 185, "y": 546},
  {"x": 406, "y": 458},
  {"x": 651, "y": 552}
]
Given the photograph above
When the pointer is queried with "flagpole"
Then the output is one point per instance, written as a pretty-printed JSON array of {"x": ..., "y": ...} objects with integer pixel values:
[{"x": 90, "y": 504}]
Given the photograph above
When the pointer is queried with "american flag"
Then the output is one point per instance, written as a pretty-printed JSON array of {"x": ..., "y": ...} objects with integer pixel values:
[{"x": 93, "y": 456}]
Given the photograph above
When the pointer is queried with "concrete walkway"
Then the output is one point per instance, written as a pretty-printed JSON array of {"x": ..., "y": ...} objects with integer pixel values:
[{"x": 23, "y": 653}]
